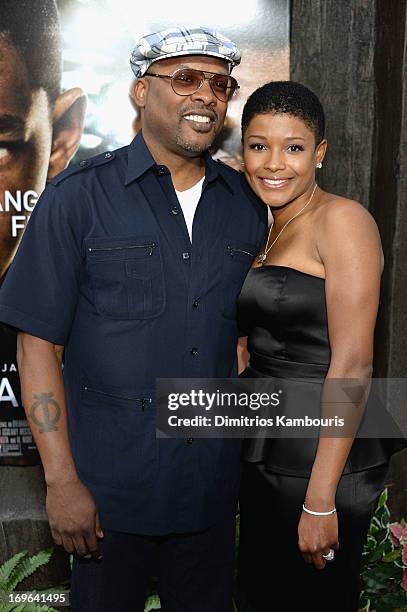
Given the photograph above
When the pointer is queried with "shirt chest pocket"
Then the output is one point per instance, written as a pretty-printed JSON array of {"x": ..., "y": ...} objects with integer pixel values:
[
  {"x": 126, "y": 276},
  {"x": 237, "y": 259}
]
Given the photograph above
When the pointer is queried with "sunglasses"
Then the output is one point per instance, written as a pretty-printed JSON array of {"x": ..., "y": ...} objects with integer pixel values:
[{"x": 187, "y": 81}]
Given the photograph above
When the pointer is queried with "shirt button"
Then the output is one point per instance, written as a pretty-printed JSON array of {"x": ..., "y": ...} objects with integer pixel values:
[
  {"x": 190, "y": 440},
  {"x": 194, "y": 351},
  {"x": 174, "y": 211},
  {"x": 84, "y": 163},
  {"x": 195, "y": 304},
  {"x": 186, "y": 255},
  {"x": 161, "y": 170},
  {"x": 108, "y": 155}
]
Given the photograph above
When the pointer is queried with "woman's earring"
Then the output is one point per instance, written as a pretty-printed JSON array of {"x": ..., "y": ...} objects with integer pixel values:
[{"x": 319, "y": 165}]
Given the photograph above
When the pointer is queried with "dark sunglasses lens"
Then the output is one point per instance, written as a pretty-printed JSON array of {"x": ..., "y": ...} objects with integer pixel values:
[
  {"x": 185, "y": 82},
  {"x": 221, "y": 86}
]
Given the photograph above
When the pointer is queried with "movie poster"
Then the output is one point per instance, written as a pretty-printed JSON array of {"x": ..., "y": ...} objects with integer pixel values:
[{"x": 64, "y": 97}]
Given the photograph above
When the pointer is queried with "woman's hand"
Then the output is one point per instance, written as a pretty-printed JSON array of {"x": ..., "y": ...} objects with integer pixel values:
[{"x": 316, "y": 536}]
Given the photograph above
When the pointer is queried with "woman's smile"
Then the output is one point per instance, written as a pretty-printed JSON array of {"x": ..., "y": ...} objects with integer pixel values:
[{"x": 274, "y": 183}]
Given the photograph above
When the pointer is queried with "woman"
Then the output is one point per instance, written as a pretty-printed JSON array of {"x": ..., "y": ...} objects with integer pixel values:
[{"x": 309, "y": 308}]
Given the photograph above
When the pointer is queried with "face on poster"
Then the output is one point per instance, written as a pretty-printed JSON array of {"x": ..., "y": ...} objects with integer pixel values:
[{"x": 65, "y": 97}]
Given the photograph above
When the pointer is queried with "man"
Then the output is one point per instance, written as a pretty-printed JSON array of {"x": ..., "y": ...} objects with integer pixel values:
[
  {"x": 135, "y": 259},
  {"x": 40, "y": 128}
]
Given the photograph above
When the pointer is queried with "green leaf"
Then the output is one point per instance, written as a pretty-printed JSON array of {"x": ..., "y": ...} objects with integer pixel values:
[
  {"x": 371, "y": 542},
  {"x": 380, "y": 578},
  {"x": 389, "y": 601},
  {"x": 6, "y": 607},
  {"x": 375, "y": 526},
  {"x": 392, "y": 556},
  {"x": 383, "y": 498},
  {"x": 26, "y": 567},
  {"x": 152, "y": 603},
  {"x": 30, "y": 607},
  {"x": 25, "y": 607},
  {"x": 378, "y": 553},
  {"x": 384, "y": 517},
  {"x": 7, "y": 568},
  {"x": 375, "y": 521},
  {"x": 364, "y": 603}
]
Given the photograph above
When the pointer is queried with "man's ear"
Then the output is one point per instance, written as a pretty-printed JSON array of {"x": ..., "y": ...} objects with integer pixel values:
[
  {"x": 139, "y": 91},
  {"x": 68, "y": 121},
  {"x": 136, "y": 123}
]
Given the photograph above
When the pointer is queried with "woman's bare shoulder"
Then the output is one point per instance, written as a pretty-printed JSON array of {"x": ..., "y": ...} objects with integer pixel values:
[
  {"x": 343, "y": 223},
  {"x": 338, "y": 211}
]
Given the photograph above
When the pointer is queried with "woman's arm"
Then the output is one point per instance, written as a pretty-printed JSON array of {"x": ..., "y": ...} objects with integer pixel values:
[
  {"x": 348, "y": 244},
  {"x": 242, "y": 354}
]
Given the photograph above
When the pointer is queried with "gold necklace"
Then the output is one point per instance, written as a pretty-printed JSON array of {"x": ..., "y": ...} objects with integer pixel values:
[{"x": 263, "y": 256}]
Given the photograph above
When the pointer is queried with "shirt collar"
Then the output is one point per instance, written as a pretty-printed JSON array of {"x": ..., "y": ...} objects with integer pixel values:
[
  {"x": 140, "y": 160},
  {"x": 217, "y": 169}
]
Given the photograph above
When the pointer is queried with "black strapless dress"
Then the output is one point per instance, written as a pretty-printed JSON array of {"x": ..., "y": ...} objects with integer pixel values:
[{"x": 283, "y": 312}]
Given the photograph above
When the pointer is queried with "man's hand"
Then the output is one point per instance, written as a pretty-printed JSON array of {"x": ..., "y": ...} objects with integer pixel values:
[
  {"x": 73, "y": 518},
  {"x": 316, "y": 535},
  {"x": 71, "y": 509}
]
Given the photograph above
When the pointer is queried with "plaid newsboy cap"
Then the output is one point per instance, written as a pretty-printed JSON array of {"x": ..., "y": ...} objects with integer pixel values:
[{"x": 182, "y": 40}]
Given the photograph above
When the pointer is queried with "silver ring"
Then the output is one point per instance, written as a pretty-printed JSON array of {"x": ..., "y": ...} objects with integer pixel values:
[{"x": 329, "y": 556}]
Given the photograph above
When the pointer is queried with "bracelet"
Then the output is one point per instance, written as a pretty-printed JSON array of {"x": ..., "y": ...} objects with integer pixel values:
[{"x": 318, "y": 513}]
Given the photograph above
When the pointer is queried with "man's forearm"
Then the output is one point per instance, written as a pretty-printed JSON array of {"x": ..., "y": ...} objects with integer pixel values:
[{"x": 43, "y": 396}]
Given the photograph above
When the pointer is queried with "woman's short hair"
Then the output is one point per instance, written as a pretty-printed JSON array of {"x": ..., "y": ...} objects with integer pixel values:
[{"x": 290, "y": 98}]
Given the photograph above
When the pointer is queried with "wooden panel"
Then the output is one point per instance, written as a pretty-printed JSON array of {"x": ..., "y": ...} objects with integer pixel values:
[
  {"x": 332, "y": 46},
  {"x": 389, "y": 205},
  {"x": 388, "y": 190}
]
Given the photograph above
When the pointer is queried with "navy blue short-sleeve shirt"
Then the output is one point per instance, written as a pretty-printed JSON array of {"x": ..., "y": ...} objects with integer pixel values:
[{"x": 107, "y": 269}]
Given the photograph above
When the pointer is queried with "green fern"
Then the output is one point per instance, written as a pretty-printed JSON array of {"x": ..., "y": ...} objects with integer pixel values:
[
  {"x": 26, "y": 607},
  {"x": 7, "y": 568},
  {"x": 16, "y": 569},
  {"x": 27, "y": 567},
  {"x": 152, "y": 603}
]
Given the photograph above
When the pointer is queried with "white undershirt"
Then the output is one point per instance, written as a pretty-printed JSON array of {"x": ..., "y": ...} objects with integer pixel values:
[{"x": 188, "y": 200}]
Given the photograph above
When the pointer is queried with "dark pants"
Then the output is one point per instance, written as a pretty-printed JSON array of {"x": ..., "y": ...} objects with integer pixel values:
[
  {"x": 273, "y": 576},
  {"x": 195, "y": 572}
]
